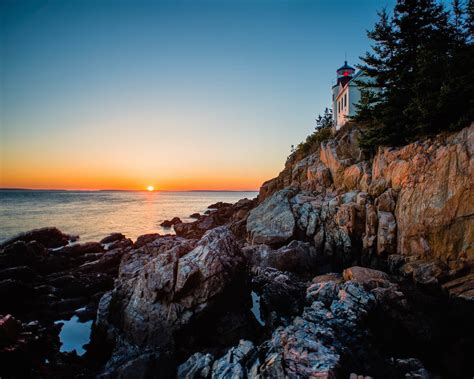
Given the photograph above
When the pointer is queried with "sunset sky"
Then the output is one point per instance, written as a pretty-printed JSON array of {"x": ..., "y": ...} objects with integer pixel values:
[{"x": 177, "y": 94}]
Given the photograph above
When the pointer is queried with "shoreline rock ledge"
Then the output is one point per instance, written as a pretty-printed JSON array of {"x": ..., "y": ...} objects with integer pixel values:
[{"x": 345, "y": 266}]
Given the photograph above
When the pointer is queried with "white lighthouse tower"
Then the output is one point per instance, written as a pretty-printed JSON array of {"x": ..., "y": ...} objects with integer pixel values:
[{"x": 345, "y": 94}]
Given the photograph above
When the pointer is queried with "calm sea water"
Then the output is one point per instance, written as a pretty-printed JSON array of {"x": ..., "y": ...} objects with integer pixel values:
[{"x": 94, "y": 214}]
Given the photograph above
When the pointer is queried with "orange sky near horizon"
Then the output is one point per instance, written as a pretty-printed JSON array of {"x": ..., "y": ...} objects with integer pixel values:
[
  {"x": 76, "y": 172},
  {"x": 89, "y": 182},
  {"x": 73, "y": 178},
  {"x": 114, "y": 154}
]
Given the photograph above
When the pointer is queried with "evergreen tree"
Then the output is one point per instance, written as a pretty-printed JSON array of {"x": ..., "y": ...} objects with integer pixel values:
[
  {"x": 416, "y": 64},
  {"x": 470, "y": 20},
  {"x": 373, "y": 110},
  {"x": 325, "y": 120},
  {"x": 457, "y": 95}
]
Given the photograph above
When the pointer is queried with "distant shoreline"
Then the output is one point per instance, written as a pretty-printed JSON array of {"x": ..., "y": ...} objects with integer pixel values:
[{"x": 117, "y": 190}]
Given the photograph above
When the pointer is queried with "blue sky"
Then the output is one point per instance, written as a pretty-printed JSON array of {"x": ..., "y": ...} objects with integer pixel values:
[{"x": 177, "y": 94}]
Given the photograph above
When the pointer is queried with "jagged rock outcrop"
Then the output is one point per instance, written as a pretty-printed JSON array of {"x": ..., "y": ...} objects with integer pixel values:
[
  {"x": 281, "y": 296},
  {"x": 170, "y": 223},
  {"x": 297, "y": 257},
  {"x": 199, "y": 365},
  {"x": 416, "y": 201},
  {"x": 41, "y": 285},
  {"x": 272, "y": 222},
  {"x": 367, "y": 277},
  {"x": 435, "y": 206},
  {"x": 167, "y": 285},
  {"x": 48, "y": 237},
  {"x": 344, "y": 159},
  {"x": 334, "y": 224},
  {"x": 219, "y": 214},
  {"x": 231, "y": 365},
  {"x": 304, "y": 259},
  {"x": 319, "y": 343},
  {"x": 113, "y": 237}
]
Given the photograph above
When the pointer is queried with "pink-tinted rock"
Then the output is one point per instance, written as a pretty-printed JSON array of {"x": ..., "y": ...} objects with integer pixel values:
[
  {"x": 272, "y": 221},
  {"x": 435, "y": 205},
  {"x": 369, "y": 278},
  {"x": 386, "y": 234},
  {"x": 158, "y": 296}
]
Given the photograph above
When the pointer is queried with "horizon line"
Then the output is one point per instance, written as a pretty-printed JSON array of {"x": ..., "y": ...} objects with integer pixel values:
[{"x": 121, "y": 190}]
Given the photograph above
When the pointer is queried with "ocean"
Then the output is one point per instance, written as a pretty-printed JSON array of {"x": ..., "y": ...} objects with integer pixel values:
[{"x": 94, "y": 214}]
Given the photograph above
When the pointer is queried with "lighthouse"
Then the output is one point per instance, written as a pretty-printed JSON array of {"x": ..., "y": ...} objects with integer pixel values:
[{"x": 345, "y": 94}]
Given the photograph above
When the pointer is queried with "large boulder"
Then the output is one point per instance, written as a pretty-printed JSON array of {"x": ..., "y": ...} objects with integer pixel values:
[
  {"x": 231, "y": 365},
  {"x": 199, "y": 365},
  {"x": 146, "y": 239},
  {"x": 367, "y": 277},
  {"x": 272, "y": 222},
  {"x": 107, "y": 262},
  {"x": 357, "y": 176},
  {"x": 170, "y": 223},
  {"x": 341, "y": 153},
  {"x": 318, "y": 178},
  {"x": 281, "y": 296},
  {"x": 219, "y": 205},
  {"x": 222, "y": 214},
  {"x": 386, "y": 234},
  {"x": 20, "y": 253},
  {"x": 113, "y": 237},
  {"x": 297, "y": 257},
  {"x": 158, "y": 297},
  {"x": 48, "y": 237},
  {"x": 197, "y": 228},
  {"x": 426, "y": 272}
]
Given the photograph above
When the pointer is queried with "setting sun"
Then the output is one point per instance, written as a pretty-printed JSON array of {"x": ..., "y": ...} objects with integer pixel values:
[{"x": 150, "y": 188}]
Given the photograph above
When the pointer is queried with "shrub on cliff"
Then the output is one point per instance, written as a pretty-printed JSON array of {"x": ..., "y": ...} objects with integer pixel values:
[
  {"x": 422, "y": 63},
  {"x": 321, "y": 133}
]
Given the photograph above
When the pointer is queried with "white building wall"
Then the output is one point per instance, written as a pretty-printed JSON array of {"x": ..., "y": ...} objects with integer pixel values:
[
  {"x": 343, "y": 106},
  {"x": 354, "y": 95}
]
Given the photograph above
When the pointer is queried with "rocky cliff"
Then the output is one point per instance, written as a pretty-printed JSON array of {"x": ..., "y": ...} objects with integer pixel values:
[
  {"x": 346, "y": 265},
  {"x": 416, "y": 201}
]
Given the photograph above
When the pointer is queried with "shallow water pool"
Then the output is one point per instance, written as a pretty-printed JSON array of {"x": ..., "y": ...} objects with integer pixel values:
[
  {"x": 74, "y": 335},
  {"x": 256, "y": 308}
]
